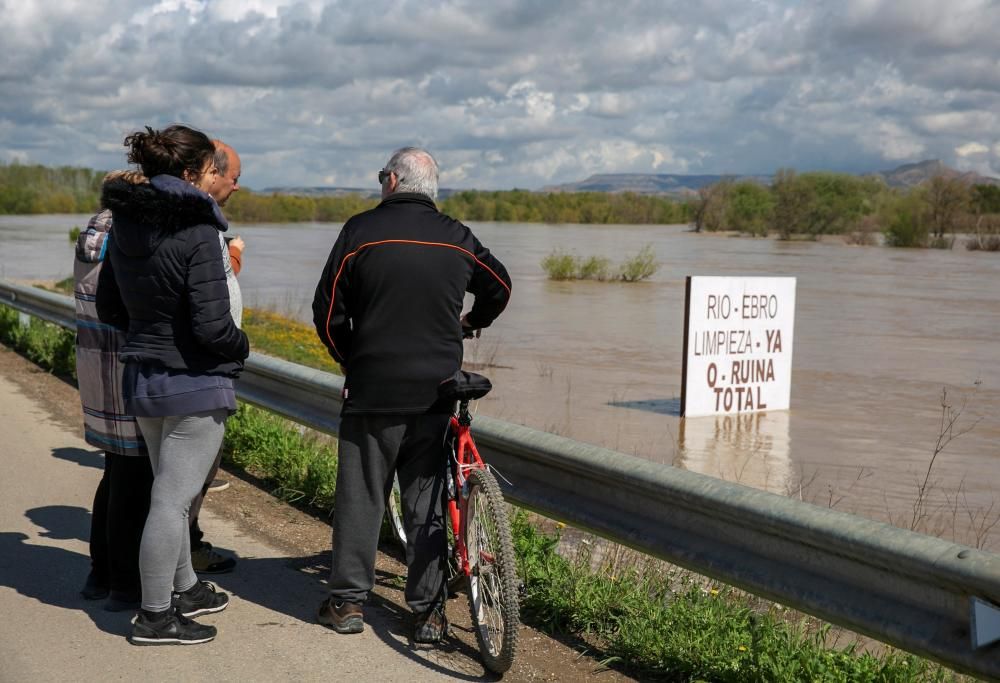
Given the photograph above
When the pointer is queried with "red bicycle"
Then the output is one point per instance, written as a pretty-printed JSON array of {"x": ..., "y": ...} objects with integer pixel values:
[{"x": 482, "y": 548}]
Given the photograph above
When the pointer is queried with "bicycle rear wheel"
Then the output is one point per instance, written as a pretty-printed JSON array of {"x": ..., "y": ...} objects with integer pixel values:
[
  {"x": 493, "y": 598},
  {"x": 394, "y": 511}
]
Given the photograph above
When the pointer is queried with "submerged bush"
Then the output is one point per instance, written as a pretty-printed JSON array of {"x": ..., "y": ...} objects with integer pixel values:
[
  {"x": 596, "y": 268},
  {"x": 641, "y": 266},
  {"x": 559, "y": 265}
]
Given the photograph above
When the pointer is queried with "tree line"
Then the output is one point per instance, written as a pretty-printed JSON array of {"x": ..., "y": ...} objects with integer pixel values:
[
  {"x": 815, "y": 204},
  {"x": 794, "y": 204},
  {"x": 518, "y": 206},
  {"x": 41, "y": 189},
  {"x": 26, "y": 189}
]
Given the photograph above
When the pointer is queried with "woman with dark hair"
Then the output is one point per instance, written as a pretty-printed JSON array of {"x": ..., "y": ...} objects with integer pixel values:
[{"x": 164, "y": 282}]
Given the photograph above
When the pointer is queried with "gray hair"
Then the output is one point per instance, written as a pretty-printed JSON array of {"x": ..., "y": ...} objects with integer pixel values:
[
  {"x": 416, "y": 171},
  {"x": 221, "y": 158}
]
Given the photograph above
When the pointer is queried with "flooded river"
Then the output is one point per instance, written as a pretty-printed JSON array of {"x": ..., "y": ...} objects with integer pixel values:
[{"x": 878, "y": 334}]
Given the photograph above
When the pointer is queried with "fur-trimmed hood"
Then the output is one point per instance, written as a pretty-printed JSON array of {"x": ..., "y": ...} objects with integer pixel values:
[{"x": 144, "y": 213}]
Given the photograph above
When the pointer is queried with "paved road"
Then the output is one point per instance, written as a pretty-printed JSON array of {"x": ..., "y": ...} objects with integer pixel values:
[{"x": 49, "y": 633}]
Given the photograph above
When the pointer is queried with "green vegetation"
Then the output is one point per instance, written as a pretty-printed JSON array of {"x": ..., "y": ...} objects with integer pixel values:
[
  {"x": 515, "y": 206},
  {"x": 653, "y": 621},
  {"x": 250, "y": 207},
  {"x": 279, "y": 336},
  {"x": 40, "y": 189},
  {"x": 44, "y": 344},
  {"x": 815, "y": 204},
  {"x": 672, "y": 625},
  {"x": 301, "y": 466},
  {"x": 560, "y": 265},
  {"x": 521, "y": 206},
  {"x": 639, "y": 267},
  {"x": 806, "y": 204},
  {"x": 74, "y": 234}
]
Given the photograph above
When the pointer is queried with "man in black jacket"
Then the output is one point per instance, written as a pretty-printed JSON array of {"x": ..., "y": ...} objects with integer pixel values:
[{"x": 389, "y": 309}]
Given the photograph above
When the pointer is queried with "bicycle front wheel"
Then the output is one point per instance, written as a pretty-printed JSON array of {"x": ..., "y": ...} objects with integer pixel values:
[{"x": 493, "y": 598}]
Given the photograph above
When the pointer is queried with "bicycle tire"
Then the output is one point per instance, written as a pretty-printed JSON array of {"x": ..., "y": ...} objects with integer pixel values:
[
  {"x": 394, "y": 511},
  {"x": 493, "y": 595}
]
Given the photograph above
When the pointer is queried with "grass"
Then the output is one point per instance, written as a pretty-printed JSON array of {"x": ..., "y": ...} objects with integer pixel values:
[
  {"x": 671, "y": 625},
  {"x": 279, "y": 336},
  {"x": 652, "y": 621},
  {"x": 560, "y": 265},
  {"x": 303, "y": 467},
  {"x": 49, "y": 346}
]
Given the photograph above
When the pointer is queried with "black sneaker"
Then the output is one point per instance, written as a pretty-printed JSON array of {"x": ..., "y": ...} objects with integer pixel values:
[
  {"x": 342, "y": 617},
  {"x": 168, "y": 628},
  {"x": 202, "y": 598},
  {"x": 431, "y": 626},
  {"x": 205, "y": 560}
]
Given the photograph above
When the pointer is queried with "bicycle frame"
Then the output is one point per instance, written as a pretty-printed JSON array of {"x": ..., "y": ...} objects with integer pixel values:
[{"x": 466, "y": 458}]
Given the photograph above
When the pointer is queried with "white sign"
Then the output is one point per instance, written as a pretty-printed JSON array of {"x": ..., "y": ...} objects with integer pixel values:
[{"x": 737, "y": 345}]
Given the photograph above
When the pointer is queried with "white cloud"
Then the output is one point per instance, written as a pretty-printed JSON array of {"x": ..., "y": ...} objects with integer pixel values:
[
  {"x": 513, "y": 93},
  {"x": 971, "y": 149}
]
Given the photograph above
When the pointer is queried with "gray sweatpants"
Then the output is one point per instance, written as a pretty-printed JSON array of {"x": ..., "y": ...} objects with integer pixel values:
[
  {"x": 182, "y": 450},
  {"x": 372, "y": 448}
]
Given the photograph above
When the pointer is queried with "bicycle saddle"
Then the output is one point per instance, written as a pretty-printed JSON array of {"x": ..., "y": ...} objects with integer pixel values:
[{"x": 464, "y": 386}]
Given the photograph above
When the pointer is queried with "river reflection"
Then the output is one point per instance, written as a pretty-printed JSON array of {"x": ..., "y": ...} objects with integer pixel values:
[
  {"x": 752, "y": 449},
  {"x": 878, "y": 333}
]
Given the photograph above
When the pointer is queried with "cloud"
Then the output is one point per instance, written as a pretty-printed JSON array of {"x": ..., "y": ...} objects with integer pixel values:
[{"x": 510, "y": 93}]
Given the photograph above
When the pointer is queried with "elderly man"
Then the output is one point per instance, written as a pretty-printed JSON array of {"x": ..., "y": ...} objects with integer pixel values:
[
  {"x": 389, "y": 309},
  {"x": 225, "y": 182}
]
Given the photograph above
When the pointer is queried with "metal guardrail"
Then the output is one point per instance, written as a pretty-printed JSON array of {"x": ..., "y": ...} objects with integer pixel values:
[{"x": 922, "y": 594}]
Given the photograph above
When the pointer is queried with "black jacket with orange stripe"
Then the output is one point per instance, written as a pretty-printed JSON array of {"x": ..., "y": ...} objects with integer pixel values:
[{"x": 389, "y": 303}]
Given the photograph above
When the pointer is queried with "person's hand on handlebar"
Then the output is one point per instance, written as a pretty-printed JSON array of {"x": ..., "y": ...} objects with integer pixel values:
[{"x": 469, "y": 332}]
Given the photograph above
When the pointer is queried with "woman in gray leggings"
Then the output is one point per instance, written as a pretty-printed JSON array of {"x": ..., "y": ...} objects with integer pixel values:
[{"x": 163, "y": 280}]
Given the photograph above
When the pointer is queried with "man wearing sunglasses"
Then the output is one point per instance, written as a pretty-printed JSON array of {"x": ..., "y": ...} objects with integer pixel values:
[{"x": 388, "y": 307}]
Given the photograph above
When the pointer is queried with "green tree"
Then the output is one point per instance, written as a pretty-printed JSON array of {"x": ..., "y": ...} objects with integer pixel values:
[
  {"x": 750, "y": 208},
  {"x": 947, "y": 200}
]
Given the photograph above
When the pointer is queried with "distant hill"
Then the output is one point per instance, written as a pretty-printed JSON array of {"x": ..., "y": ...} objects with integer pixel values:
[
  {"x": 647, "y": 183},
  {"x": 908, "y": 175},
  {"x": 911, "y": 175}
]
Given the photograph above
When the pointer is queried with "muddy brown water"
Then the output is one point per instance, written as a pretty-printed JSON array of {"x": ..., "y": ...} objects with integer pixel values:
[{"x": 879, "y": 333}]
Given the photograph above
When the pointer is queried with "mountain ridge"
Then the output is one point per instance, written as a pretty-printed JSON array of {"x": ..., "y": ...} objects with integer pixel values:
[{"x": 903, "y": 177}]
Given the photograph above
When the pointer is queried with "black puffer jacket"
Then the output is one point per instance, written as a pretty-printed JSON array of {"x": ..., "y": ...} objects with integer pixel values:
[
  {"x": 163, "y": 279},
  {"x": 389, "y": 302}
]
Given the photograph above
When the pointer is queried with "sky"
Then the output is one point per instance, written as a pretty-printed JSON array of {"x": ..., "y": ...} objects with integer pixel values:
[{"x": 508, "y": 93}]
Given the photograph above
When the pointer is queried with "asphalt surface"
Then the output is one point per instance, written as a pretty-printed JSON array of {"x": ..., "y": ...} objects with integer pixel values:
[{"x": 49, "y": 633}]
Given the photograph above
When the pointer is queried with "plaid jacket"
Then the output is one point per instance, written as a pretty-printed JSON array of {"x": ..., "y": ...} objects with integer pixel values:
[{"x": 98, "y": 370}]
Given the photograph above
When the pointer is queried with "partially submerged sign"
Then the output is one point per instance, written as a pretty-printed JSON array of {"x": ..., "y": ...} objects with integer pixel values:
[{"x": 737, "y": 345}]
